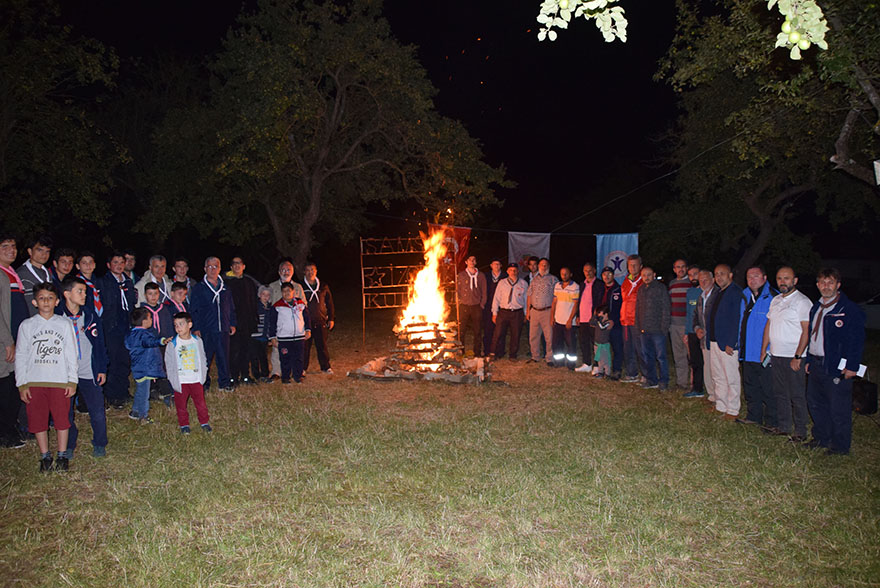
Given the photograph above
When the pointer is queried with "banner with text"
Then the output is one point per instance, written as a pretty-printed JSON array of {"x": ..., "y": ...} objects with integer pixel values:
[
  {"x": 612, "y": 250},
  {"x": 521, "y": 246}
]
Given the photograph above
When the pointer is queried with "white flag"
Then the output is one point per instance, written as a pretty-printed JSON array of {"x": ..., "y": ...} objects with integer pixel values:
[{"x": 521, "y": 246}]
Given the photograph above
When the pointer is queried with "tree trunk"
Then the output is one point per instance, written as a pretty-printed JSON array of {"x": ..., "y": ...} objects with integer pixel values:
[
  {"x": 754, "y": 251},
  {"x": 769, "y": 212}
]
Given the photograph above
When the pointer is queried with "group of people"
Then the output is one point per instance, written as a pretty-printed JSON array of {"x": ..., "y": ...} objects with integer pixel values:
[
  {"x": 790, "y": 358},
  {"x": 76, "y": 339}
]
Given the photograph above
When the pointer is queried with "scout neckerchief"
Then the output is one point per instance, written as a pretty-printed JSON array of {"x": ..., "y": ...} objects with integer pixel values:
[
  {"x": 313, "y": 291},
  {"x": 96, "y": 294},
  {"x": 216, "y": 298},
  {"x": 155, "y": 312},
  {"x": 822, "y": 309},
  {"x": 33, "y": 270},
  {"x": 15, "y": 284},
  {"x": 74, "y": 318}
]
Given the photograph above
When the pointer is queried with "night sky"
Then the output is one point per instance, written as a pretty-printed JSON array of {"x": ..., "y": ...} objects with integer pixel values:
[{"x": 574, "y": 121}]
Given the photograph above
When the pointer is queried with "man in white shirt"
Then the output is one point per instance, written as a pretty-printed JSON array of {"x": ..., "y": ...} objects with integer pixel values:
[
  {"x": 156, "y": 275},
  {"x": 787, "y": 333},
  {"x": 508, "y": 309},
  {"x": 566, "y": 294}
]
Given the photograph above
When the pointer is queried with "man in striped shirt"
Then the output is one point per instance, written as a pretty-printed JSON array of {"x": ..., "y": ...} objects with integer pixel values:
[{"x": 678, "y": 289}]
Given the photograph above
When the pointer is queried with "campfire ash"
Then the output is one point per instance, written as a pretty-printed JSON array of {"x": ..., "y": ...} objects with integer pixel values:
[{"x": 428, "y": 346}]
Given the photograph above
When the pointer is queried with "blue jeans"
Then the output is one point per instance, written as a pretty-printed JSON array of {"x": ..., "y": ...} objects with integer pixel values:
[
  {"x": 655, "y": 353},
  {"x": 141, "y": 405},
  {"x": 93, "y": 396}
]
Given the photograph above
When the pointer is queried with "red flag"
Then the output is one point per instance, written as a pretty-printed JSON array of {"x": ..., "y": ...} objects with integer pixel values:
[{"x": 457, "y": 240}]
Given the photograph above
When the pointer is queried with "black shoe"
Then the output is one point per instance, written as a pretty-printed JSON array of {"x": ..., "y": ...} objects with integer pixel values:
[
  {"x": 207, "y": 428},
  {"x": 62, "y": 464},
  {"x": 798, "y": 439},
  {"x": 46, "y": 464},
  {"x": 14, "y": 443},
  {"x": 836, "y": 452},
  {"x": 746, "y": 421},
  {"x": 811, "y": 444}
]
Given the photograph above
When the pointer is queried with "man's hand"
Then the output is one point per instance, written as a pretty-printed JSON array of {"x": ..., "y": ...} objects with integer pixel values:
[
  {"x": 308, "y": 335},
  {"x": 25, "y": 394},
  {"x": 198, "y": 334},
  {"x": 728, "y": 350},
  {"x": 568, "y": 325},
  {"x": 684, "y": 339},
  {"x": 101, "y": 379},
  {"x": 69, "y": 391},
  {"x": 331, "y": 324},
  {"x": 10, "y": 353},
  {"x": 701, "y": 332},
  {"x": 273, "y": 341},
  {"x": 232, "y": 330},
  {"x": 795, "y": 364},
  {"x": 849, "y": 374},
  {"x": 494, "y": 318},
  {"x": 527, "y": 314}
]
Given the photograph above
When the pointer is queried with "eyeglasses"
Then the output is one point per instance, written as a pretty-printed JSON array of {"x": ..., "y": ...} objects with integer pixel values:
[{"x": 212, "y": 267}]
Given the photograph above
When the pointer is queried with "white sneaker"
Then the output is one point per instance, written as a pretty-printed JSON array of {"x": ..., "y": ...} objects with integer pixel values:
[
  {"x": 583, "y": 368},
  {"x": 328, "y": 371}
]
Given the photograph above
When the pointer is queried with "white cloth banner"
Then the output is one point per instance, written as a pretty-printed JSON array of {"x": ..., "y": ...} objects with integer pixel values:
[
  {"x": 521, "y": 246},
  {"x": 612, "y": 250}
]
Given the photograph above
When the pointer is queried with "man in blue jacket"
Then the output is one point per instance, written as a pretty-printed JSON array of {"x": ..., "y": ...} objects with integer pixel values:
[
  {"x": 723, "y": 322},
  {"x": 214, "y": 320},
  {"x": 757, "y": 381},
  {"x": 837, "y": 341}
]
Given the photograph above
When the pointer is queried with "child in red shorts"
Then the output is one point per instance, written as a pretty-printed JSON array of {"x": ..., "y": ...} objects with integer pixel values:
[
  {"x": 187, "y": 368},
  {"x": 46, "y": 373}
]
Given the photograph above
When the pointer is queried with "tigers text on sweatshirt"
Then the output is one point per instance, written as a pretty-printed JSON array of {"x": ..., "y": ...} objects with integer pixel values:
[{"x": 46, "y": 353}]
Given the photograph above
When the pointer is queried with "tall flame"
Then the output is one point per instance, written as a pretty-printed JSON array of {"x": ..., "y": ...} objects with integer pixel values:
[{"x": 427, "y": 302}]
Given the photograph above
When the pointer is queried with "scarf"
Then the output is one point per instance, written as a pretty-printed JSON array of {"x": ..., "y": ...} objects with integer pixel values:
[
  {"x": 33, "y": 270},
  {"x": 96, "y": 294},
  {"x": 216, "y": 298},
  {"x": 313, "y": 291},
  {"x": 822, "y": 309},
  {"x": 155, "y": 312},
  {"x": 15, "y": 284},
  {"x": 74, "y": 318}
]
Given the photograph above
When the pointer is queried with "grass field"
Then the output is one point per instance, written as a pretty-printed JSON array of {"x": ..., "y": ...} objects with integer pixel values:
[{"x": 548, "y": 479}]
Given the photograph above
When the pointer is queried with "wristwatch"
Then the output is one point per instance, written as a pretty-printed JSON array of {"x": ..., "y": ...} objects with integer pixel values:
[{"x": 798, "y": 356}]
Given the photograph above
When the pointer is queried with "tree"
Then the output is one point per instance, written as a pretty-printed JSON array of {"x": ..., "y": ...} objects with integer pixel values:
[
  {"x": 315, "y": 112},
  {"x": 753, "y": 139},
  {"x": 55, "y": 162}
]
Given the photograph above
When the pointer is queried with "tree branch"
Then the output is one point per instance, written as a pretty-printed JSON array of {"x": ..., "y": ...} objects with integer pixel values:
[{"x": 841, "y": 158}]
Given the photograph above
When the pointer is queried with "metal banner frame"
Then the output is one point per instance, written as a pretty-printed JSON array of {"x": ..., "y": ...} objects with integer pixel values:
[{"x": 385, "y": 284}]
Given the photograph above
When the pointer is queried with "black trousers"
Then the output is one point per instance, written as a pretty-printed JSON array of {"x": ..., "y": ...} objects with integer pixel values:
[
  {"x": 695, "y": 360},
  {"x": 507, "y": 319},
  {"x": 257, "y": 356},
  {"x": 10, "y": 403},
  {"x": 470, "y": 320},
  {"x": 118, "y": 368},
  {"x": 488, "y": 328},
  {"x": 585, "y": 336},
  {"x": 319, "y": 340},
  {"x": 239, "y": 347},
  {"x": 757, "y": 384}
]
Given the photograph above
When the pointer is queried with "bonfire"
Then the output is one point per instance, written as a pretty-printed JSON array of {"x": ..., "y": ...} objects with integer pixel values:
[{"x": 427, "y": 341}]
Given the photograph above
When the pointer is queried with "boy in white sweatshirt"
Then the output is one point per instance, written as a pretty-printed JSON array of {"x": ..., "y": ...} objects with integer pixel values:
[{"x": 46, "y": 373}]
